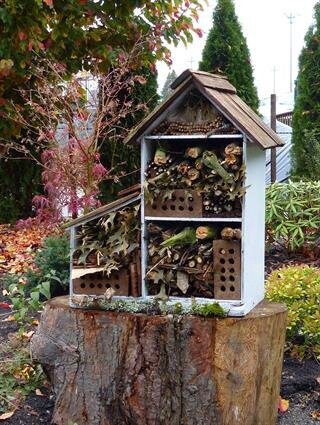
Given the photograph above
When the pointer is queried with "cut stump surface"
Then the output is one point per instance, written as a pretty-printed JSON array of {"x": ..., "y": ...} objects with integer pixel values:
[{"x": 112, "y": 368}]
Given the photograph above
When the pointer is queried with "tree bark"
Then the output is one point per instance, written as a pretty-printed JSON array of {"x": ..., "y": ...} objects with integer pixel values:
[{"x": 111, "y": 368}]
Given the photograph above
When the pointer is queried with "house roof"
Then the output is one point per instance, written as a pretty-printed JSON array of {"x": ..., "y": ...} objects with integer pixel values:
[
  {"x": 223, "y": 95},
  {"x": 99, "y": 212}
]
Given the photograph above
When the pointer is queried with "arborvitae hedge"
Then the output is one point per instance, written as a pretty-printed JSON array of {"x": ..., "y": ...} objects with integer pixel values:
[
  {"x": 226, "y": 52},
  {"x": 166, "y": 91},
  {"x": 306, "y": 117}
]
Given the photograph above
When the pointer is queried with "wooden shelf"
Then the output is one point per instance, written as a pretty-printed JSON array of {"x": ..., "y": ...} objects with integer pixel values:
[
  {"x": 194, "y": 136},
  {"x": 204, "y": 219}
]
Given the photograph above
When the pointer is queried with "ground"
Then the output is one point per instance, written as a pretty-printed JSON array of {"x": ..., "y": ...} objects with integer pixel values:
[
  {"x": 300, "y": 379},
  {"x": 301, "y": 387}
]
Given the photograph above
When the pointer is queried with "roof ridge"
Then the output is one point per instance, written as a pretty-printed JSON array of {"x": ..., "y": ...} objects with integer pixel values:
[{"x": 208, "y": 79}]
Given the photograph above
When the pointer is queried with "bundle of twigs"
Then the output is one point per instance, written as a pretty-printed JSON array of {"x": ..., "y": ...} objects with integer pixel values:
[
  {"x": 219, "y": 125},
  {"x": 180, "y": 260},
  {"x": 216, "y": 174}
]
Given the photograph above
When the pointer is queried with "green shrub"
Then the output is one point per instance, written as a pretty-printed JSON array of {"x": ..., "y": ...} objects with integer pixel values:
[
  {"x": 19, "y": 375},
  {"x": 26, "y": 305},
  {"x": 52, "y": 261},
  {"x": 299, "y": 288},
  {"x": 293, "y": 213}
]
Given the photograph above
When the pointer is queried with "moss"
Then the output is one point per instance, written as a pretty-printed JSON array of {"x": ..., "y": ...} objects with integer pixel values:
[
  {"x": 208, "y": 310},
  {"x": 177, "y": 308},
  {"x": 150, "y": 307}
]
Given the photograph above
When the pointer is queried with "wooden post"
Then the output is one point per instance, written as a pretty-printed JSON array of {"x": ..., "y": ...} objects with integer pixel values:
[
  {"x": 274, "y": 127},
  {"x": 110, "y": 368}
]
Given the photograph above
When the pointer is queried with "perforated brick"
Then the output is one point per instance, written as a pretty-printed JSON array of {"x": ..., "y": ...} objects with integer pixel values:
[
  {"x": 227, "y": 269},
  {"x": 184, "y": 203},
  {"x": 97, "y": 283}
]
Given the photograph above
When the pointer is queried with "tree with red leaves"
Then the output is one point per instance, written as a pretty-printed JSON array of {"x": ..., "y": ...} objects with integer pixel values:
[
  {"x": 81, "y": 35},
  {"x": 72, "y": 169}
]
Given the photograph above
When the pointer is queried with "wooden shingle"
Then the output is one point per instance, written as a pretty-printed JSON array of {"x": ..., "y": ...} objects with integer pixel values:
[{"x": 223, "y": 95}]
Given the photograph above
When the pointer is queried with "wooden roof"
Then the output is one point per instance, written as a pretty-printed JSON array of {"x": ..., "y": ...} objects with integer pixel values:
[
  {"x": 99, "y": 212},
  {"x": 213, "y": 81},
  {"x": 223, "y": 95}
]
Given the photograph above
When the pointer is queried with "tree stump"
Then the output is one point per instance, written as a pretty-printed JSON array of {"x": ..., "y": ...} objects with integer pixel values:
[{"x": 111, "y": 368}]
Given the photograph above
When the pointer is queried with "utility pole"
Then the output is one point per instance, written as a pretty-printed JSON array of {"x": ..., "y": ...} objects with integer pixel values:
[
  {"x": 191, "y": 61},
  {"x": 273, "y": 121},
  {"x": 274, "y": 70},
  {"x": 291, "y": 18}
]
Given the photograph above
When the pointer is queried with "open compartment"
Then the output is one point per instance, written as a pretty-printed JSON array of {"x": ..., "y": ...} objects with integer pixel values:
[
  {"x": 106, "y": 257},
  {"x": 194, "y": 261},
  {"x": 194, "y": 178}
]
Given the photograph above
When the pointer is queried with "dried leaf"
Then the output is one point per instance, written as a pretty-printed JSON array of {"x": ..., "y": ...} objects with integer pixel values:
[
  {"x": 109, "y": 293},
  {"x": 283, "y": 405},
  {"x": 315, "y": 415},
  {"x": 28, "y": 335},
  {"x": 10, "y": 318},
  {"x": 156, "y": 276},
  {"x": 183, "y": 281},
  {"x": 7, "y": 415},
  {"x": 141, "y": 79},
  {"x": 38, "y": 392}
]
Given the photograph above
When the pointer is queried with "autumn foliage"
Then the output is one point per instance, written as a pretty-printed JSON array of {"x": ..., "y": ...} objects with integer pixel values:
[
  {"x": 79, "y": 35},
  {"x": 18, "y": 246}
]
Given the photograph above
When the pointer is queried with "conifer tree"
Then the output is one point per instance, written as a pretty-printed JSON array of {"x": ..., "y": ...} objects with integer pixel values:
[
  {"x": 226, "y": 52},
  {"x": 306, "y": 117},
  {"x": 166, "y": 91}
]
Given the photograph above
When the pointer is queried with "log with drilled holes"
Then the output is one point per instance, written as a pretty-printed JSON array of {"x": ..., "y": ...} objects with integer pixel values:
[{"x": 112, "y": 368}]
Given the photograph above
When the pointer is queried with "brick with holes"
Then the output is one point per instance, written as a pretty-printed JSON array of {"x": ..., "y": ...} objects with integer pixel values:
[
  {"x": 183, "y": 203},
  {"x": 97, "y": 283},
  {"x": 227, "y": 269}
]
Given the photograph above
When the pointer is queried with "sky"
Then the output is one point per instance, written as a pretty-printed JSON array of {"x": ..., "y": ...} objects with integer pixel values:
[{"x": 266, "y": 26}]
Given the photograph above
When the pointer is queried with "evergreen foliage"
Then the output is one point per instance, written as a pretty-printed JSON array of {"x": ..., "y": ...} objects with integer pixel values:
[
  {"x": 20, "y": 181},
  {"x": 52, "y": 262},
  {"x": 226, "y": 52},
  {"x": 306, "y": 117},
  {"x": 166, "y": 91}
]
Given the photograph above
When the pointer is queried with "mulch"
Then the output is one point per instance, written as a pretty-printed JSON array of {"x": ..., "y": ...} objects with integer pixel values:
[
  {"x": 278, "y": 257},
  {"x": 301, "y": 387},
  {"x": 35, "y": 410},
  {"x": 300, "y": 379}
]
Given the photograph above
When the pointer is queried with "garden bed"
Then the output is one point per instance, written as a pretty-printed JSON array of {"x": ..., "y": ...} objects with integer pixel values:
[
  {"x": 299, "y": 386},
  {"x": 278, "y": 257}
]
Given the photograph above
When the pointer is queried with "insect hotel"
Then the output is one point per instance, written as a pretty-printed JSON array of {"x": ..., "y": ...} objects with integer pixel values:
[{"x": 193, "y": 231}]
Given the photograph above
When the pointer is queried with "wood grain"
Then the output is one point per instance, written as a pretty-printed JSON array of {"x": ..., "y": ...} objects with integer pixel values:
[
  {"x": 252, "y": 127},
  {"x": 112, "y": 368}
]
